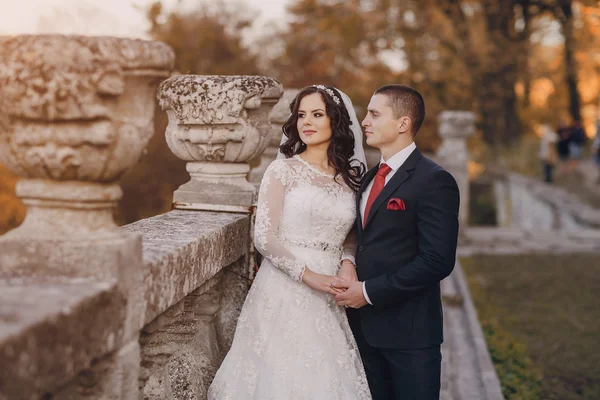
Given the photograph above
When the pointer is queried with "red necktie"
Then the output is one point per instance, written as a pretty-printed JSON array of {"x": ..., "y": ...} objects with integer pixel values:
[{"x": 378, "y": 185}]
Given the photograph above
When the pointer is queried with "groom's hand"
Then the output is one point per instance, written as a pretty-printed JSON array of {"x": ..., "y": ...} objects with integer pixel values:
[{"x": 353, "y": 297}]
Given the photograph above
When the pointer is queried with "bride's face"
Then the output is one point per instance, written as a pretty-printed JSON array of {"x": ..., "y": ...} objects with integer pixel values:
[{"x": 314, "y": 125}]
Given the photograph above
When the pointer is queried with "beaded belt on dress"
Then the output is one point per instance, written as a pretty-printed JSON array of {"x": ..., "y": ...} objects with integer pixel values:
[{"x": 313, "y": 244}]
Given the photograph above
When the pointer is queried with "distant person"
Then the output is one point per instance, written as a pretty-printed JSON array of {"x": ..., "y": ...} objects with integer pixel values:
[
  {"x": 596, "y": 150},
  {"x": 548, "y": 154},
  {"x": 562, "y": 144},
  {"x": 576, "y": 142}
]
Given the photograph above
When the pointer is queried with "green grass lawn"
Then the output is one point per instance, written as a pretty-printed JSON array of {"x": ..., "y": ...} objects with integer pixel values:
[{"x": 541, "y": 318}]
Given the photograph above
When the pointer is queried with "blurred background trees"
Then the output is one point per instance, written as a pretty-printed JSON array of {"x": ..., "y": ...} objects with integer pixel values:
[
  {"x": 516, "y": 63},
  {"x": 208, "y": 39}
]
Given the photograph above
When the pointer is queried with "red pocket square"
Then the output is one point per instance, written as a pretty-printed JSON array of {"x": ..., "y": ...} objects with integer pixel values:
[{"x": 396, "y": 204}]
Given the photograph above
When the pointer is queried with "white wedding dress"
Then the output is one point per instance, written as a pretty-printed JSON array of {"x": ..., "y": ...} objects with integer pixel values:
[{"x": 293, "y": 342}]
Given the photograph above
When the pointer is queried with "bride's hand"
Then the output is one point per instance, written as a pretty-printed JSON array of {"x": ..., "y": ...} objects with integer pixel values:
[
  {"x": 324, "y": 283},
  {"x": 348, "y": 271}
]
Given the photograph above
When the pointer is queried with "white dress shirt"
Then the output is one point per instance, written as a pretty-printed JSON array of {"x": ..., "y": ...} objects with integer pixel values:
[{"x": 395, "y": 162}]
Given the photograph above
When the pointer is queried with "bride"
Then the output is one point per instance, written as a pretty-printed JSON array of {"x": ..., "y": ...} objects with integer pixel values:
[{"x": 292, "y": 341}]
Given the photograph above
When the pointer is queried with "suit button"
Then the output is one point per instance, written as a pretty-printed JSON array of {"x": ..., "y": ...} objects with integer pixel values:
[{"x": 360, "y": 248}]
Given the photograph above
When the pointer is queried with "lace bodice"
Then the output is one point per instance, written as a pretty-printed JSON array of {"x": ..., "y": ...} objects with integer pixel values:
[{"x": 299, "y": 205}]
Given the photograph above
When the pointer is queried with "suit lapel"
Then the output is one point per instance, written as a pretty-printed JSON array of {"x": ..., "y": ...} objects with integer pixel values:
[
  {"x": 398, "y": 179},
  {"x": 365, "y": 182}
]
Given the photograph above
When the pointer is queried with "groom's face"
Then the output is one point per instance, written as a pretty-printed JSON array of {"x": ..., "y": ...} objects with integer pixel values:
[{"x": 381, "y": 128}]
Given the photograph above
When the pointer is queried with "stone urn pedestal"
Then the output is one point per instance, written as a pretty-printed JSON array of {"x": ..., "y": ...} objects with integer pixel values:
[
  {"x": 455, "y": 127},
  {"x": 217, "y": 124},
  {"x": 76, "y": 113}
]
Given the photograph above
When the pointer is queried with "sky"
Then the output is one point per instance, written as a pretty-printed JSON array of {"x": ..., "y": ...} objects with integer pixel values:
[{"x": 101, "y": 17}]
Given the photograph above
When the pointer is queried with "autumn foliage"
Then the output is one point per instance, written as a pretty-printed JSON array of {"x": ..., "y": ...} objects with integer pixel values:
[{"x": 516, "y": 63}]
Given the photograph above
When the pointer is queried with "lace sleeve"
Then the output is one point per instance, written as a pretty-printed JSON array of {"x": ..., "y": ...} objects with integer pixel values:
[
  {"x": 268, "y": 214},
  {"x": 349, "y": 250}
]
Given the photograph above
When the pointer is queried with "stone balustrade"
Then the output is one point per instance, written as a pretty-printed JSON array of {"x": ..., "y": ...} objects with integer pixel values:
[
  {"x": 89, "y": 310},
  {"x": 67, "y": 336},
  {"x": 195, "y": 278}
]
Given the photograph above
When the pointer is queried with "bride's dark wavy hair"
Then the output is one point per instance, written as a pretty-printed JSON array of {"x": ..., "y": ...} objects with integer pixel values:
[{"x": 341, "y": 147}]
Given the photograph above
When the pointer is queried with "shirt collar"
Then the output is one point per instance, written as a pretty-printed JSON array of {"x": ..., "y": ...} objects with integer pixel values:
[{"x": 400, "y": 157}]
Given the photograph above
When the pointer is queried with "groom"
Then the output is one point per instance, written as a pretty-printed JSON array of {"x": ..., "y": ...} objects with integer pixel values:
[{"x": 407, "y": 231}]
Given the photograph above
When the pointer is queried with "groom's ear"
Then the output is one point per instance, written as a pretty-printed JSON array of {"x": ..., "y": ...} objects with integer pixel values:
[{"x": 404, "y": 125}]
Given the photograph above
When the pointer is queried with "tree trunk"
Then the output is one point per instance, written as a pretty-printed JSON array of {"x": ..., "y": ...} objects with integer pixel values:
[
  {"x": 497, "y": 96},
  {"x": 495, "y": 72},
  {"x": 570, "y": 63},
  {"x": 498, "y": 106}
]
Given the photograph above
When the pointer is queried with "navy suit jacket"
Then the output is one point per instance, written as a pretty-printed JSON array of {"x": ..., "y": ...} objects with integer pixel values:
[{"x": 402, "y": 255}]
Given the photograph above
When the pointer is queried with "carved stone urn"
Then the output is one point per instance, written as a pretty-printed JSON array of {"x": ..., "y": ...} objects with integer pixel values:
[
  {"x": 75, "y": 114},
  {"x": 217, "y": 124}
]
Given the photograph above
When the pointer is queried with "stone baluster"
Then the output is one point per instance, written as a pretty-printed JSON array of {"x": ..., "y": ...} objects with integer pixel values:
[
  {"x": 279, "y": 115},
  {"x": 75, "y": 114},
  {"x": 217, "y": 124},
  {"x": 455, "y": 127}
]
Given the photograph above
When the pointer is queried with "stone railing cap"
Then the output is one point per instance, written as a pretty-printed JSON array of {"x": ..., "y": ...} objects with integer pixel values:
[{"x": 457, "y": 115}]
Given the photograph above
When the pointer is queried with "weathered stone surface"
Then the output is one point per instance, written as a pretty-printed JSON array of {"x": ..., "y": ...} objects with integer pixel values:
[
  {"x": 492, "y": 234},
  {"x": 499, "y": 241},
  {"x": 183, "y": 249},
  {"x": 95, "y": 257},
  {"x": 528, "y": 211},
  {"x": 215, "y": 187},
  {"x": 113, "y": 377},
  {"x": 180, "y": 352},
  {"x": 50, "y": 329},
  {"x": 90, "y": 327},
  {"x": 536, "y": 205},
  {"x": 163, "y": 349},
  {"x": 455, "y": 127},
  {"x": 278, "y": 116},
  {"x": 218, "y": 118},
  {"x": 185, "y": 377},
  {"x": 456, "y": 124},
  {"x": 115, "y": 258},
  {"x": 77, "y": 111},
  {"x": 234, "y": 287},
  {"x": 467, "y": 372},
  {"x": 217, "y": 124},
  {"x": 502, "y": 203},
  {"x": 60, "y": 77}
]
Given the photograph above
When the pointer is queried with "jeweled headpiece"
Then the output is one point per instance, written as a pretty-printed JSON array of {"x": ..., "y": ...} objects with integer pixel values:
[{"x": 330, "y": 92}]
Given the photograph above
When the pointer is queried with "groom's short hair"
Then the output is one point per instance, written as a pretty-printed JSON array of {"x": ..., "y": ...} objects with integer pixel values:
[{"x": 404, "y": 100}]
